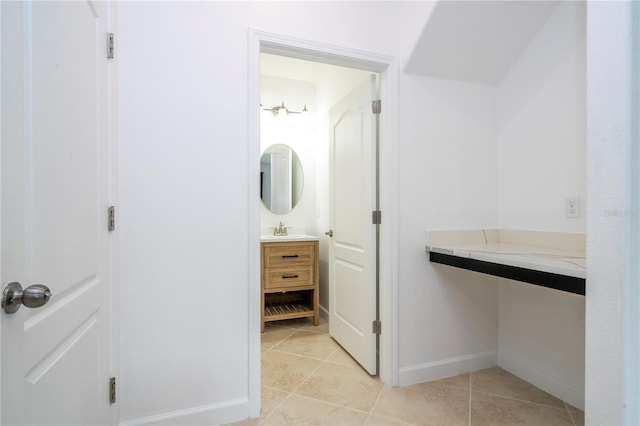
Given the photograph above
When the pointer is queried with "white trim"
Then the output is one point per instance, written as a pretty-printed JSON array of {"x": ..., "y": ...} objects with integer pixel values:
[
  {"x": 609, "y": 141},
  {"x": 548, "y": 383},
  {"x": 220, "y": 413},
  {"x": 319, "y": 52},
  {"x": 447, "y": 367},
  {"x": 253, "y": 206},
  {"x": 1, "y": 60},
  {"x": 388, "y": 68},
  {"x": 389, "y": 336},
  {"x": 631, "y": 372}
]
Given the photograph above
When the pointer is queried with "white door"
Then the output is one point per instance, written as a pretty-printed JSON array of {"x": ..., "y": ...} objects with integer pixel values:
[
  {"x": 56, "y": 359},
  {"x": 352, "y": 250}
]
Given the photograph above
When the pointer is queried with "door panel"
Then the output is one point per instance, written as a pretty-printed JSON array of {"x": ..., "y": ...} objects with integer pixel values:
[
  {"x": 349, "y": 306},
  {"x": 352, "y": 259},
  {"x": 56, "y": 359},
  {"x": 45, "y": 379}
]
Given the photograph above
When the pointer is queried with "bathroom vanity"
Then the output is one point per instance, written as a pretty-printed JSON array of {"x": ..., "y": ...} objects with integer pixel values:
[{"x": 289, "y": 278}]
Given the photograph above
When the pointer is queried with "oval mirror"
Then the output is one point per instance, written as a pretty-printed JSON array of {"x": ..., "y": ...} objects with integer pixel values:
[{"x": 281, "y": 178}]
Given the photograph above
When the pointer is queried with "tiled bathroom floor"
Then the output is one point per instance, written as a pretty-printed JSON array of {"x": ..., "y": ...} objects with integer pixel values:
[{"x": 308, "y": 379}]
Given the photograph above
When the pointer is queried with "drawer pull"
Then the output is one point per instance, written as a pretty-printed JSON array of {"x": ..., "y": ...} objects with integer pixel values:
[
  {"x": 286, "y": 256},
  {"x": 284, "y": 277}
]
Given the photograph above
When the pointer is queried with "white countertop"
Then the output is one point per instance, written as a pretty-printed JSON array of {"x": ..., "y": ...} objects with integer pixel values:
[
  {"x": 282, "y": 238},
  {"x": 294, "y": 234},
  {"x": 557, "y": 253}
]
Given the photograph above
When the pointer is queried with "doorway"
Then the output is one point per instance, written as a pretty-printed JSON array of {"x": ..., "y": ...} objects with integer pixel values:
[
  {"x": 386, "y": 67},
  {"x": 319, "y": 118}
]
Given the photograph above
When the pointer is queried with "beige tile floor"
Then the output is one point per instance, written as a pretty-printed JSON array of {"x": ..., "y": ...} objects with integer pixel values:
[{"x": 308, "y": 379}]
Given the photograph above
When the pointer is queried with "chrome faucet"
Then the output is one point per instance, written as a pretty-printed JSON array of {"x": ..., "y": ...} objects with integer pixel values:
[{"x": 281, "y": 230}]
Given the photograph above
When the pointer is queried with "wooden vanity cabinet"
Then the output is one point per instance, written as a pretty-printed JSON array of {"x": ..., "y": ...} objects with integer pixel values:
[{"x": 289, "y": 280}]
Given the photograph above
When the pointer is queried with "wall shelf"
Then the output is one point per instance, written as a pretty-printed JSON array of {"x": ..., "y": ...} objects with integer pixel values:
[
  {"x": 552, "y": 260},
  {"x": 531, "y": 276}
]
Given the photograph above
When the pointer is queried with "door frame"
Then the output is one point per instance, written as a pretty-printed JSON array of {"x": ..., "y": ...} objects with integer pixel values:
[{"x": 387, "y": 67}]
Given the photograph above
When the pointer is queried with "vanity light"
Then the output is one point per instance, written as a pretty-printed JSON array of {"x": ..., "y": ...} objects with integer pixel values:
[{"x": 278, "y": 109}]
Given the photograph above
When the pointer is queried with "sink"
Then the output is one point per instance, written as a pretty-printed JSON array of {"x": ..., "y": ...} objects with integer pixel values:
[{"x": 290, "y": 237}]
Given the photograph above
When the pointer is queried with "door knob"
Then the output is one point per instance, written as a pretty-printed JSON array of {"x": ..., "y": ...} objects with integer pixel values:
[
  {"x": 33, "y": 296},
  {"x": 329, "y": 233}
]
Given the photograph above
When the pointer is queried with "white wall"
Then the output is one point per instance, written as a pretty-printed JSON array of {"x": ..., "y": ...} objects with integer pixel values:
[
  {"x": 183, "y": 182},
  {"x": 297, "y": 131},
  {"x": 184, "y": 211},
  {"x": 542, "y": 338},
  {"x": 448, "y": 180},
  {"x": 183, "y": 251},
  {"x": 541, "y": 112},
  {"x": 541, "y": 120}
]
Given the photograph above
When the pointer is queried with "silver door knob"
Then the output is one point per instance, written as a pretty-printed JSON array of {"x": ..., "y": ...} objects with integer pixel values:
[
  {"x": 329, "y": 233},
  {"x": 33, "y": 296}
]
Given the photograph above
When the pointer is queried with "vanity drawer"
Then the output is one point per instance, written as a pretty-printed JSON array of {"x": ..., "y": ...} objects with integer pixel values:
[
  {"x": 288, "y": 277},
  {"x": 288, "y": 255}
]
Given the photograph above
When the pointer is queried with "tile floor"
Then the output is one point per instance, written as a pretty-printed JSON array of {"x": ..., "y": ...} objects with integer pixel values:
[{"x": 308, "y": 379}]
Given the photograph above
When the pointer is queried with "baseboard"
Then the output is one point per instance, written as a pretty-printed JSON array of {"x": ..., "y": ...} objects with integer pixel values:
[
  {"x": 548, "y": 383},
  {"x": 446, "y": 368},
  {"x": 324, "y": 313},
  {"x": 213, "y": 414}
]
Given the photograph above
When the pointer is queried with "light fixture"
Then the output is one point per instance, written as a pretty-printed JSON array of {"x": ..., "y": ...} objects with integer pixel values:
[{"x": 281, "y": 109}]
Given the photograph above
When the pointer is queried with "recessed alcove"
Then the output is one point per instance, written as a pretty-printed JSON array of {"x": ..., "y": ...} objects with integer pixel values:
[{"x": 530, "y": 57}]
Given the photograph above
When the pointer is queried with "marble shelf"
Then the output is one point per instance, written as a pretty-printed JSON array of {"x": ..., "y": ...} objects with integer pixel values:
[{"x": 548, "y": 259}]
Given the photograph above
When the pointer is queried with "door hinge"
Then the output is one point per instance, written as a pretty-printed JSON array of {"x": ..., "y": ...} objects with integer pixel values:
[
  {"x": 111, "y": 221},
  {"x": 376, "y": 106},
  {"x": 110, "y": 46},
  {"x": 376, "y": 327},
  {"x": 112, "y": 390},
  {"x": 376, "y": 217}
]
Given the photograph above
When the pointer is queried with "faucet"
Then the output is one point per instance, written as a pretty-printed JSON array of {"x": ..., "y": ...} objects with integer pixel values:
[{"x": 280, "y": 230}]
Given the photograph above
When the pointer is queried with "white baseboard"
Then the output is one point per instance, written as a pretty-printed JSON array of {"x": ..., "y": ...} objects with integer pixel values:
[
  {"x": 446, "y": 368},
  {"x": 324, "y": 313},
  {"x": 548, "y": 383},
  {"x": 213, "y": 414}
]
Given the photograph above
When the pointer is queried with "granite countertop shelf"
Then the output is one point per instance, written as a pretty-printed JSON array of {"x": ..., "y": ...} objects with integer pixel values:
[{"x": 549, "y": 259}]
